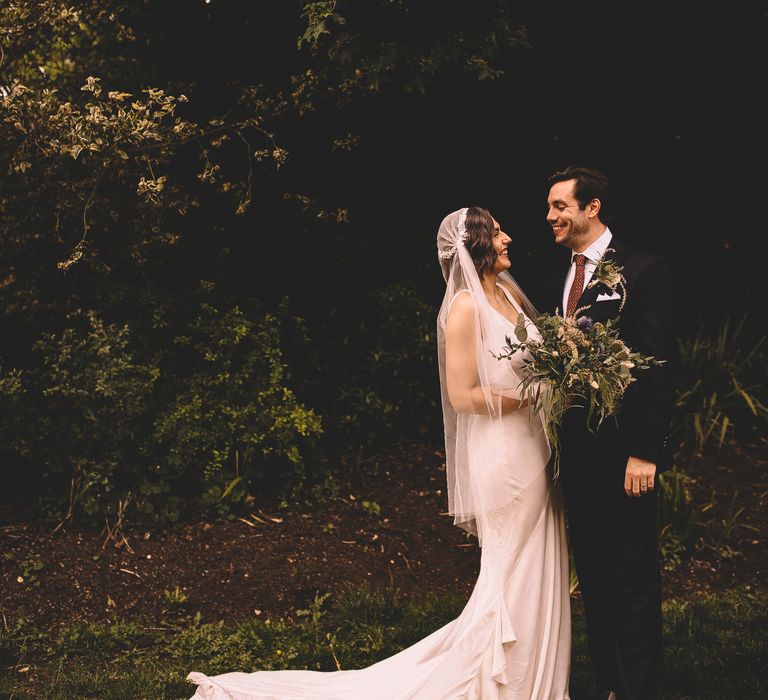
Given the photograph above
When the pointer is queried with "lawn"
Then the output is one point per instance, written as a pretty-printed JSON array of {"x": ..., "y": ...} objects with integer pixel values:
[{"x": 715, "y": 647}]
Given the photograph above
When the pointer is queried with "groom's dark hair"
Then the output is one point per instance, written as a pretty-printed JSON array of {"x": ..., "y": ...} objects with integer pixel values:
[{"x": 590, "y": 184}]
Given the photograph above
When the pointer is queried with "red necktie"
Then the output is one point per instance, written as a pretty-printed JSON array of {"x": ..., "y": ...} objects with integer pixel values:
[{"x": 578, "y": 284}]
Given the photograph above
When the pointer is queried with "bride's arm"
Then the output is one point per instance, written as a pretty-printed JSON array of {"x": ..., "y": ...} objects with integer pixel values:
[{"x": 464, "y": 390}]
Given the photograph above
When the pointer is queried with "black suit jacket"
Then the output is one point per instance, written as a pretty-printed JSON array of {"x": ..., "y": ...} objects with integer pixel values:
[{"x": 646, "y": 324}]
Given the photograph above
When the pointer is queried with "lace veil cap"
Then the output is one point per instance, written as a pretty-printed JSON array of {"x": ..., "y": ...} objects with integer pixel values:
[
  {"x": 461, "y": 277},
  {"x": 452, "y": 233}
]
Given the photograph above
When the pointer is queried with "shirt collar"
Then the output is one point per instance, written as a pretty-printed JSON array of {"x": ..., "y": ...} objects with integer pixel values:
[{"x": 598, "y": 247}]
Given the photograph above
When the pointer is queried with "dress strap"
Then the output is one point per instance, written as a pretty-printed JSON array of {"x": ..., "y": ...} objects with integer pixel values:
[{"x": 511, "y": 298}]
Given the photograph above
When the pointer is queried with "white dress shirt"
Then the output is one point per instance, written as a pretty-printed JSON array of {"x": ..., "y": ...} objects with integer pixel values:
[{"x": 593, "y": 253}]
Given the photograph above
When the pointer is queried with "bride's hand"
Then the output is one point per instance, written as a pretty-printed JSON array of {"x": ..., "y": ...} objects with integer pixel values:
[
  {"x": 510, "y": 405},
  {"x": 511, "y": 399}
]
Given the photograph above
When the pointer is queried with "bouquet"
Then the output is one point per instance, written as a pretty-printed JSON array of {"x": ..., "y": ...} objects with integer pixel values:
[{"x": 576, "y": 360}]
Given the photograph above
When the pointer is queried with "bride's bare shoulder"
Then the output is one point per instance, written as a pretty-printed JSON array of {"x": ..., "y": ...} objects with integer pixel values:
[{"x": 462, "y": 308}]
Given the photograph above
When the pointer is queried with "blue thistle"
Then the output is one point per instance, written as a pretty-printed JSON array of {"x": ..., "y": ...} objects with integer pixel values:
[{"x": 584, "y": 323}]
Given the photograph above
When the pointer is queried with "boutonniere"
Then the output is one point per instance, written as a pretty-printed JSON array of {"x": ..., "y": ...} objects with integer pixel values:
[{"x": 611, "y": 276}]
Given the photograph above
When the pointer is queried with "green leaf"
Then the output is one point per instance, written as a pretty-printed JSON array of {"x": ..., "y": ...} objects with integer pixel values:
[
  {"x": 747, "y": 398},
  {"x": 231, "y": 485},
  {"x": 724, "y": 430}
]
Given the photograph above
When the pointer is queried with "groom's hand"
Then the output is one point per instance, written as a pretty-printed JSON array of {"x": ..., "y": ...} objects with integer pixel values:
[{"x": 639, "y": 477}]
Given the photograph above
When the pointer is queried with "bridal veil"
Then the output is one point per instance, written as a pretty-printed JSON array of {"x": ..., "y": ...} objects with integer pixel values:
[{"x": 464, "y": 502}]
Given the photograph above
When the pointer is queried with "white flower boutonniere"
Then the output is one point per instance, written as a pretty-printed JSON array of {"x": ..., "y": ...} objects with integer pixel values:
[{"x": 610, "y": 275}]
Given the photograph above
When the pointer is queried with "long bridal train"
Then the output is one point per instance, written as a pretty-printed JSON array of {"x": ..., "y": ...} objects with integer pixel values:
[{"x": 511, "y": 641}]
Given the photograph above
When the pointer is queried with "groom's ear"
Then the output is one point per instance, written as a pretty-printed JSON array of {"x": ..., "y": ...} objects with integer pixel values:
[{"x": 593, "y": 208}]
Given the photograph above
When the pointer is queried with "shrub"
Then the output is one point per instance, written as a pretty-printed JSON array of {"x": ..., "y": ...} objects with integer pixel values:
[
  {"x": 230, "y": 418},
  {"x": 722, "y": 392},
  {"x": 107, "y": 427},
  {"x": 388, "y": 386},
  {"x": 83, "y": 413}
]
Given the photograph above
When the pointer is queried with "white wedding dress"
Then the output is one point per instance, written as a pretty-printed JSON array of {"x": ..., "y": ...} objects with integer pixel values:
[{"x": 512, "y": 641}]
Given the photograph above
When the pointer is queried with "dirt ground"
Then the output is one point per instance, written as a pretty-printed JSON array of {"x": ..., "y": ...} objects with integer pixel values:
[{"x": 388, "y": 530}]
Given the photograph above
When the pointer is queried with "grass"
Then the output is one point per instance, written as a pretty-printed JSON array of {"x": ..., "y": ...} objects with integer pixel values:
[{"x": 715, "y": 648}]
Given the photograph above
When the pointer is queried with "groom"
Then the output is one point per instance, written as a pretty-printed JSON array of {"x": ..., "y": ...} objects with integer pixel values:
[{"x": 610, "y": 475}]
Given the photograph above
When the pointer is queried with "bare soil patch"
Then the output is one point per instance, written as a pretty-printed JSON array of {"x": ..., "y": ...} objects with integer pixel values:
[{"x": 388, "y": 530}]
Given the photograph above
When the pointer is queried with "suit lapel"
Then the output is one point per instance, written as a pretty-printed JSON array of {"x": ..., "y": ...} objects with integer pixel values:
[
  {"x": 614, "y": 252},
  {"x": 589, "y": 296}
]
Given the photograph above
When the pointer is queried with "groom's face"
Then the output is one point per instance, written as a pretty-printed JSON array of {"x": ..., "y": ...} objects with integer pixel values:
[{"x": 568, "y": 221}]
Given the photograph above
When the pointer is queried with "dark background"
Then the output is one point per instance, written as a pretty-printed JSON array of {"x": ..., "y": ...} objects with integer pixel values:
[{"x": 667, "y": 98}]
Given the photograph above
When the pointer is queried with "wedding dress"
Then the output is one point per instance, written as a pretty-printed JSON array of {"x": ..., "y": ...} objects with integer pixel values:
[{"x": 512, "y": 640}]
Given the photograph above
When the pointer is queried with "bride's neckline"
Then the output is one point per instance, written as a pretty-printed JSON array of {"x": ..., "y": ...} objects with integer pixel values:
[{"x": 511, "y": 301}]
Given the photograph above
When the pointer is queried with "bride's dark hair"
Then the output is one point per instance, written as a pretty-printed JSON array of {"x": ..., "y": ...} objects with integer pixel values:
[{"x": 479, "y": 241}]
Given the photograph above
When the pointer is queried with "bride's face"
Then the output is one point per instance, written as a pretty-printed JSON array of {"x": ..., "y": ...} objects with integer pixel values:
[{"x": 500, "y": 242}]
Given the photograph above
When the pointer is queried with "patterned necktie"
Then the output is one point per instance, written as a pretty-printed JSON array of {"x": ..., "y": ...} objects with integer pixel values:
[{"x": 578, "y": 284}]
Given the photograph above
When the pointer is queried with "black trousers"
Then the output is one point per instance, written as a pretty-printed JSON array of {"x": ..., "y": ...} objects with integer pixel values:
[{"x": 614, "y": 542}]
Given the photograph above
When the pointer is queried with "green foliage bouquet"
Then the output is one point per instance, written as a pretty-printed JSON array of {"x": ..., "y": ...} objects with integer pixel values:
[{"x": 574, "y": 361}]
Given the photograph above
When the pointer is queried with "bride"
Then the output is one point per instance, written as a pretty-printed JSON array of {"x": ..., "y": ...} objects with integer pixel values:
[{"x": 512, "y": 640}]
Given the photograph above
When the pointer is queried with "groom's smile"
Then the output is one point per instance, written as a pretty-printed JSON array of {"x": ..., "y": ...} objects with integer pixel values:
[
  {"x": 558, "y": 229},
  {"x": 570, "y": 223}
]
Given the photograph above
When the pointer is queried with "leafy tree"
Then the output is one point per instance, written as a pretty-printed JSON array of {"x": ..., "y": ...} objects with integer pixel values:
[{"x": 141, "y": 376}]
